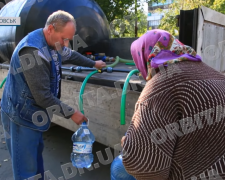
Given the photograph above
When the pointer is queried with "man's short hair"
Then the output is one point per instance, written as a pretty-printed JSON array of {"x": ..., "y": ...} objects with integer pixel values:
[{"x": 59, "y": 19}]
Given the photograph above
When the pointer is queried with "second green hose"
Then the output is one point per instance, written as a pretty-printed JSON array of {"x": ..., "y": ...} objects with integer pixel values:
[{"x": 124, "y": 95}]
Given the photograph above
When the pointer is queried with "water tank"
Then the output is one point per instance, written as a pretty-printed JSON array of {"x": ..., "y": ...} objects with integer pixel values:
[{"x": 92, "y": 24}]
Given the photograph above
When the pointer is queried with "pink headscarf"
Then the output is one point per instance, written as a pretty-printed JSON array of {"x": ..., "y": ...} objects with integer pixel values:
[{"x": 158, "y": 47}]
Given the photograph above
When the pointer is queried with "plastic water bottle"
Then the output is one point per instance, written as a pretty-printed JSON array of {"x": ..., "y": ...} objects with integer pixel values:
[
  {"x": 118, "y": 171},
  {"x": 83, "y": 140}
]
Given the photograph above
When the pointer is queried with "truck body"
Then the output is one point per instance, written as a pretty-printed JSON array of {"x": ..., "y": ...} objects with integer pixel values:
[{"x": 204, "y": 31}]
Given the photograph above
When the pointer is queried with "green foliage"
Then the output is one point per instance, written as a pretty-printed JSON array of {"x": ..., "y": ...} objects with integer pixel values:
[
  {"x": 115, "y": 9},
  {"x": 219, "y": 5},
  {"x": 169, "y": 21},
  {"x": 126, "y": 26},
  {"x": 141, "y": 24},
  {"x": 121, "y": 15}
]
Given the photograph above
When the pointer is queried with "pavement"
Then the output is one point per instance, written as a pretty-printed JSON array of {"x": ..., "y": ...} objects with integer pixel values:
[{"x": 58, "y": 147}]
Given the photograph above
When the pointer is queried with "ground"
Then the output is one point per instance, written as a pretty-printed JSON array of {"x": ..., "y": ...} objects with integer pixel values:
[{"x": 58, "y": 147}]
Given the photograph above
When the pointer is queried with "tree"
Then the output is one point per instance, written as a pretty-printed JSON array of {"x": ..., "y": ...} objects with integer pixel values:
[
  {"x": 168, "y": 23},
  {"x": 126, "y": 27},
  {"x": 116, "y": 12},
  {"x": 138, "y": 4},
  {"x": 115, "y": 9},
  {"x": 219, "y": 5}
]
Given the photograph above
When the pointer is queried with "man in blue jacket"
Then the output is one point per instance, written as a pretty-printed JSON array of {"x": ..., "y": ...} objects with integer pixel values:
[{"x": 37, "y": 89}]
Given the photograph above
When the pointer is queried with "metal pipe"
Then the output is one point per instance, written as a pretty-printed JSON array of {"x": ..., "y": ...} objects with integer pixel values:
[
  {"x": 77, "y": 69},
  {"x": 80, "y": 69},
  {"x": 122, "y": 70},
  {"x": 108, "y": 69},
  {"x": 4, "y": 66},
  {"x": 66, "y": 68}
]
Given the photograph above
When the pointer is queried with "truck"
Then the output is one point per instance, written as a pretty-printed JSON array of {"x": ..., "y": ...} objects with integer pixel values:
[{"x": 201, "y": 28}]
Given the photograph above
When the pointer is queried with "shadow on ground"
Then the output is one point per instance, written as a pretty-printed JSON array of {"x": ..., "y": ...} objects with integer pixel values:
[{"x": 58, "y": 147}]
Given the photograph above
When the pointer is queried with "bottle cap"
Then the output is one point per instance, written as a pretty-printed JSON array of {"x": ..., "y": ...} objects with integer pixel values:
[{"x": 85, "y": 123}]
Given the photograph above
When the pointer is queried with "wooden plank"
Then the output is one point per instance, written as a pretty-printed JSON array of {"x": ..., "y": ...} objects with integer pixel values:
[
  {"x": 222, "y": 49},
  {"x": 200, "y": 32},
  {"x": 210, "y": 34},
  {"x": 211, "y": 50},
  {"x": 213, "y": 16}
]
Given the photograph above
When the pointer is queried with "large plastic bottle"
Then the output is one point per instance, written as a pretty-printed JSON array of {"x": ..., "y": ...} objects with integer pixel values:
[
  {"x": 83, "y": 140},
  {"x": 118, "y": 171}
]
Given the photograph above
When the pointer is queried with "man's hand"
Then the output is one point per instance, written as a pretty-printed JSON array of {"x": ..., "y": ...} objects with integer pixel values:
[
  {"x": 100, "y": 64},
  {"x": 122, "y": 140},
  {"x": 78, "y": 118}
]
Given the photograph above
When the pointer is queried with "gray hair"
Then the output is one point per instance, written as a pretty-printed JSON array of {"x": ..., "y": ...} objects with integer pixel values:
[{"x": 59, "y": 19}]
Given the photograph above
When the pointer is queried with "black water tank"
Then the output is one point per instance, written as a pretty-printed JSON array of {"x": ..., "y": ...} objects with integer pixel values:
[{"x": 92, "y": 25}]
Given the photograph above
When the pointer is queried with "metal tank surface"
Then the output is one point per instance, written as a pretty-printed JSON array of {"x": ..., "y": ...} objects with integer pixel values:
[{"x": 92, "y": 24}]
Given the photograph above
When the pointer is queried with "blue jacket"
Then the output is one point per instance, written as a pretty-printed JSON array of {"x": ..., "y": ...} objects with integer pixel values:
[{"x": 17, "y": 101}]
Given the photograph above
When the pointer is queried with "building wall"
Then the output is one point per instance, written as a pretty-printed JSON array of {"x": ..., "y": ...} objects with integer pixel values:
[{"x": 154, "y": 18}]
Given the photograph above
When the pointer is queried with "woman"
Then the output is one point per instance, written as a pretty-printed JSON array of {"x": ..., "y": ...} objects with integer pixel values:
[{"x": 177, "y": 130}]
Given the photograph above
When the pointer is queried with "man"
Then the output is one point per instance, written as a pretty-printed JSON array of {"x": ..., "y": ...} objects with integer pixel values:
[{"x": 37, "y": 89}]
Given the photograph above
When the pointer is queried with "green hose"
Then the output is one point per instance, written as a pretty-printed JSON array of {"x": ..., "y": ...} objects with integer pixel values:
[
  {"x": 118, "y": 59},
  {"x": 126, "y": 60},
  {"x": 3, "y": 82},
  {"x": 123, "y": 98},
  {"x": 115, "y": 63},
  {"x": 82, "y": 90},
  {"x": 130, "y": 64}
]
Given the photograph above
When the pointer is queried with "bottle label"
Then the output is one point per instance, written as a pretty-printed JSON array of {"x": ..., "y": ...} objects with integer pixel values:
[
  {"x": 86, "y": 131},
  {"x": 81, "y": 147}
]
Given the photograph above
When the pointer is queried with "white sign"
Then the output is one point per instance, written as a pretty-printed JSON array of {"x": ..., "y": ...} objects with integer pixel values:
[{"x": 9, "y": 21}]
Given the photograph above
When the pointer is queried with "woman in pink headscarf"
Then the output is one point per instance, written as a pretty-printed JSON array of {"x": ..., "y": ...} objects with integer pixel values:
[{"x": 177, "y": 130}]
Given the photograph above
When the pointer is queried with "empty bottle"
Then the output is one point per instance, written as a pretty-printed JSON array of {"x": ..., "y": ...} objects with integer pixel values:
[
  {"x": 118, "y": 171},
  {"x": 83, "y": 140}
]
